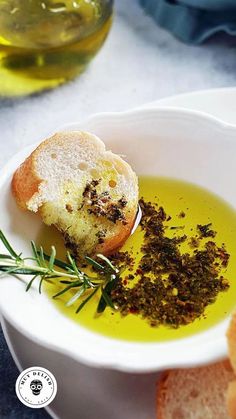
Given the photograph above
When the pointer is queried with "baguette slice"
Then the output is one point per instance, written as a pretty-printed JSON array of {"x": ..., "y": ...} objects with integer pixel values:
[
  {"x": 195, "y": 393},
  {"x": 231, "y": 337},
  {"x": 231, "y": 396},
  {"x": 88, "y": 193},
  {"x": 231, "y": 399}
]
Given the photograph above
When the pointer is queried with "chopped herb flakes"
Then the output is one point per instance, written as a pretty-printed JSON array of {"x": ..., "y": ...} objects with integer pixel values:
[
  {"x": 171, "y": 287},
  {"x": 205, "y": 230},
  {"x": 101, "y": 205}
]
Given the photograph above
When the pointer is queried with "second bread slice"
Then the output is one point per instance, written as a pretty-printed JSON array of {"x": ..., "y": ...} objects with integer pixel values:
[{"x": 195, "y": 393}]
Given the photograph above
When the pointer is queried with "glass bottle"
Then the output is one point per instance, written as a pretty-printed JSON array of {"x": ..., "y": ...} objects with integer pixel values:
[{"x": 44, "y": 43}]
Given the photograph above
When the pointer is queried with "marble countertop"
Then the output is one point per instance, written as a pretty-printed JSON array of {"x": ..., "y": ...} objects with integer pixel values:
[{"x": 139, "y": 63}]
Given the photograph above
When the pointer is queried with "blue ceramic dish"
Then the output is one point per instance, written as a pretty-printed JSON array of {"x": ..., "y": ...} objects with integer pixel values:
[{"x": 193, "y": 21}]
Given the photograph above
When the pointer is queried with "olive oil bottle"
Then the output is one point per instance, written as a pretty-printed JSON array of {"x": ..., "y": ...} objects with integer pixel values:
[{"x": 44, "y": 43}]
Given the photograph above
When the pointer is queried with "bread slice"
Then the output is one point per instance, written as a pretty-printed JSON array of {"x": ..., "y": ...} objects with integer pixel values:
[
  {"x": 88, "y": 193},
  {"x": 195, "y": 393},
  {"x": 231, "y": 336},
  {"x": 201, "y": 393},
  {"x": 231, "y": 399}
]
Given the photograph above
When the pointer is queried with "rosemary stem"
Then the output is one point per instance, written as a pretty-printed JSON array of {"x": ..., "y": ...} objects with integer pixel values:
[{"x": 43, "y": 270}]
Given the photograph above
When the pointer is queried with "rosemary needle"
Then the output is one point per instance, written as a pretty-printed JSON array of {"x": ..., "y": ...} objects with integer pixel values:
[{"x": 44, "y": 267}]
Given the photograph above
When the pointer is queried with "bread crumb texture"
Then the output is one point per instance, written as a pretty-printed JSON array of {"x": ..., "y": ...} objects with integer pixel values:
[
  {"x": 88, "y": 193},
  {"x": 196, "y": 393}
]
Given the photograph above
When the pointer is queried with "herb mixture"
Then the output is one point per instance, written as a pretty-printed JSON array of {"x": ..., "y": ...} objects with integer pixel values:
[
  {"x": 170, "y": 287},
  {"x": 167, "y": 286},
  {"x": 101, "y": 205}
]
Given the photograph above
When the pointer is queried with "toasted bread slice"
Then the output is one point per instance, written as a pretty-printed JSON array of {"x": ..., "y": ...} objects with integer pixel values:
[
  {"x": 231, "y": 399},
  {"x": 88, "y": 193},
  {"x": 195, "y": 393},
  {"x": 231, "y": 335}
]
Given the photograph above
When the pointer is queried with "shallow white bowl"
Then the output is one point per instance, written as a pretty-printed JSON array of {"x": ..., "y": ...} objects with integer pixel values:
[{"x": 167, "y": 142}]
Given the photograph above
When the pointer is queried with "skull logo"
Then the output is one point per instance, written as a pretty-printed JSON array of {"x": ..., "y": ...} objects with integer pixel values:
[{"x": 36, "y": 386}]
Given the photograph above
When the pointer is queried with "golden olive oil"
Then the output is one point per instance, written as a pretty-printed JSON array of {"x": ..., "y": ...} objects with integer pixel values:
[
  {"x": 200, "y": 207},
  {"x": 43, "y": 43}
]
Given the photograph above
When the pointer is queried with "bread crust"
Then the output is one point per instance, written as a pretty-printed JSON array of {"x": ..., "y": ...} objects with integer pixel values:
[
  {"x": 161, "y": 394},
  {"x": 26, "y": 183},
  {"x": 231, "y": 399},
  {"x": 115, "y": 242},
  {"x": 231, "y": 337}
]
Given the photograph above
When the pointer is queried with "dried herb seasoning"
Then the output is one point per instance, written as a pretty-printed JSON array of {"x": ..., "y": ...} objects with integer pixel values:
[
  {"x": 101, "y": 204},
  {"x": 170, "y": 286},
  {"x": 206, "y": 231}
]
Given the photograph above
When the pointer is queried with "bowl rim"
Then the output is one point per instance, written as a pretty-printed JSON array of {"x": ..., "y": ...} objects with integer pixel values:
[{"x": 215, "y": 350}]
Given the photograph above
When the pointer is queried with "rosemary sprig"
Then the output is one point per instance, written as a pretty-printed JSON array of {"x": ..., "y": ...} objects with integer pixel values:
[{"x": 44, "y": 268}]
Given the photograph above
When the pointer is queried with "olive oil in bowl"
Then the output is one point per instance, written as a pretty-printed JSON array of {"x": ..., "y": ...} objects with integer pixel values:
[
  {"x": 187, "y": 206},
  {"x": 45, "y": 43}
]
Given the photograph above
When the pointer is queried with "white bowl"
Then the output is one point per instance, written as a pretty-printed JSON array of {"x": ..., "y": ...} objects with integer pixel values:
[{"x": 168, "y": 142}]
